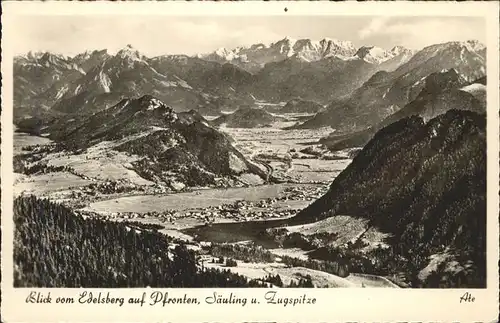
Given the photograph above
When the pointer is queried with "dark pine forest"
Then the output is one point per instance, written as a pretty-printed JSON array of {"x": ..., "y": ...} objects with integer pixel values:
[{"x": 54, "y": 247}]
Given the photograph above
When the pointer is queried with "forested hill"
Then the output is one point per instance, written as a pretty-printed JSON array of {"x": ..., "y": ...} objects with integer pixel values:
[
  {"x": 53, "y": 247},
  {"x": 178, "y": 150},
  {"x": 424, "y": 183},
  {"x": 246, "y": 118}
]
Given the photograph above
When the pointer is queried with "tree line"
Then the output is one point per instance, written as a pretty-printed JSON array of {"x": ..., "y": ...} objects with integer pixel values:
[{"x": 54, "y": 247}]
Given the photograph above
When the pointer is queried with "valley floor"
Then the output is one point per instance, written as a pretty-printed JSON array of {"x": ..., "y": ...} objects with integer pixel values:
[{"x": 198, "y": 215}]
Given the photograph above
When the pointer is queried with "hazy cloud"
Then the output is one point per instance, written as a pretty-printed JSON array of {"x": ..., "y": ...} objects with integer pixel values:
[
  {"x": 419, "y": 32},
  {"x": 376, "y": 25},
  {"x": 158, "y": 35}
]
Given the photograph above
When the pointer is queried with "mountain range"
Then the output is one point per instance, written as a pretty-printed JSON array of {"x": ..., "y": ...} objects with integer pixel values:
[
  {"x": 386, "y": 92},
  {"x": 288, "y": 68},
  {"x": 360, "y": 86},
  {"x": 256, "y": 56}
]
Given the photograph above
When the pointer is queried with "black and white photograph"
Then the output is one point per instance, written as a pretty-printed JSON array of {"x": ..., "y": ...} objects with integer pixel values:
[
  {"x": 289, "y": 157},
  {"x": 258, "y": 151},
  {"x": 250, "y": 152}
]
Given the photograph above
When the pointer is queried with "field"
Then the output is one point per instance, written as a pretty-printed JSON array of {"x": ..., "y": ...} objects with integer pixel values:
[
  {"x": 274, "y": 145},
  {"x": 25, "y": 140},
  {"x": 291, "y": 252},
  {"x": 100, "y": 163},
  {"x": 198, "y": 199},
  {"x": 47, "y": 184},
  {"x": 260, "y": 270},
  {"x": 347, "y": 228},
  {"x": 320, "y": 279},
  {"x": 370, "y": 281}
]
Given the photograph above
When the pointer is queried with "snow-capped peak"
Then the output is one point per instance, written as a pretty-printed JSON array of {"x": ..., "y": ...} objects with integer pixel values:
[
  {"x": 258, "y": 46},
  {"x": 89, "y": 53},
  {"x": 340, "y": 43},
  {"x": 85, "y": 55},
  {"x": 373, "y": 54},
  {"x": 398, "y": 50},
  {"x": 129, "y": 53},
  {"x": 313, "y": 50},
  {"x": 43, "y": 56},
  {"x": 226, "y": 54},
  {"x": 286, "y": 46},
  {"x": 303, "y": 48},
  {"x": 34, "y": 55},
  {"x": 473, "y": 45},
  {"x": 289, "y": 39},
  {"x": 222, "y": 51},
  {"x": 337, "y": 48},
  {"x": 51, "y": 58}
]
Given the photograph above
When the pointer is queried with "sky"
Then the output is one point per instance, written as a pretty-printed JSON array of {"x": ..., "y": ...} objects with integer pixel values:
[{"x": 160, "y": 35}]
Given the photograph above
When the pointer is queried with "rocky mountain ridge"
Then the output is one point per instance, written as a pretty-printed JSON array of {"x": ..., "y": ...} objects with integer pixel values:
[
  {"x": 255, "y": 57},
  {"x": 385, "y": 92},
  {"x": 437, "y": 93},
  {"x": 358, "y": 92}
]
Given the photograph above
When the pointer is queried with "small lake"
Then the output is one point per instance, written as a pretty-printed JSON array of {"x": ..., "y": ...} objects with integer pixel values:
[{"x": 236, "y": 232}]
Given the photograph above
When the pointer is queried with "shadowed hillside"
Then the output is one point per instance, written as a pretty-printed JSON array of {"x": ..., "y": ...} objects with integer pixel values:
[
  {"x": 439, "y": 92},
  {"x": 425, "y": 183},
  {"x": 301, "y": 106},
  {"x": 246, "y": 118},
  {"x": 176, "y": 149}
]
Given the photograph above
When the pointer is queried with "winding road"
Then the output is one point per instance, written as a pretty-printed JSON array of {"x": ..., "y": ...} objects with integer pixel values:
[{"x": 268, "y": 167}]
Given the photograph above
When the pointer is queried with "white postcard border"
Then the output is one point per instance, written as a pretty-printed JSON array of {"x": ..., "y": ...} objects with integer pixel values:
[{"x": 339, "y": 305}]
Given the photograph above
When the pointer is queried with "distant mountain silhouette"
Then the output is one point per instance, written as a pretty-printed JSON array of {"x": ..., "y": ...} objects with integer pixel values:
[
  {"x": 246, "y": 118},
  {"x": 301, "y": 106},
  {"x": 254, "y": 57}
]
